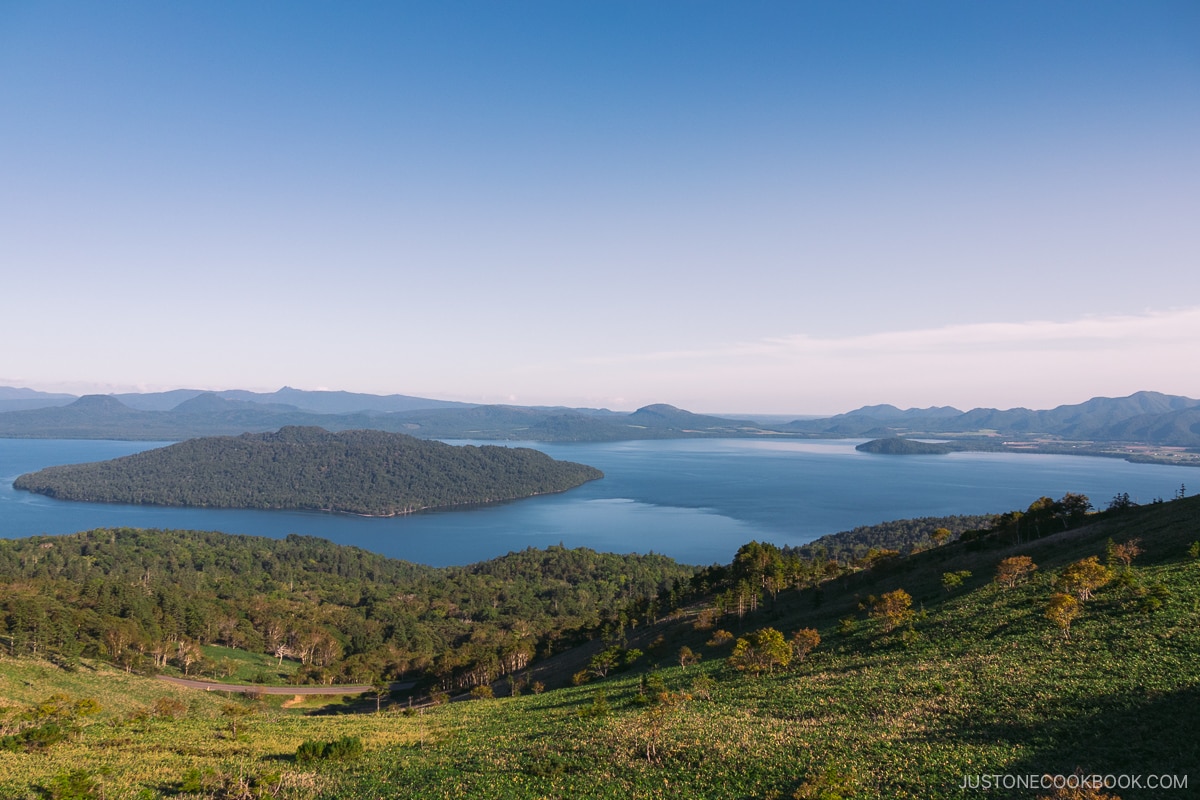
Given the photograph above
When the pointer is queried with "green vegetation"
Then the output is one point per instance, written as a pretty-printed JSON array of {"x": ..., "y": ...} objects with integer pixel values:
[
  {"x": 360, "y": 472},
  {"x": 919, "y": 691},
  {"x": 898, "y": 446},
  {"x": 305, "y": 610},
  {"x": 904, "y": 536}
]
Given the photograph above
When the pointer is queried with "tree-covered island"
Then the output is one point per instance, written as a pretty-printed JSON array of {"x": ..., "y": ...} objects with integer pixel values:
[{"x": 308, "y": 468}]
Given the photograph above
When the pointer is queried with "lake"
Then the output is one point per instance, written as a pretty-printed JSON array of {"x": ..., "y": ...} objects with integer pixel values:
[{"x": 696, "y": 500}]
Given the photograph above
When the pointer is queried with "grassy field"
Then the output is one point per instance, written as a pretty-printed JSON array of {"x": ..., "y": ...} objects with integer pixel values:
[
  {"x": 239, "y": 666},
  {"x": 979, "y": 683}
]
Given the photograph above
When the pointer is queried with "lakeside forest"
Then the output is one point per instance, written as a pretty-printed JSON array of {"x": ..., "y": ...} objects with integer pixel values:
[
  {"x": 1051, "y": 639},
  {"x": 359, "y": 472}
]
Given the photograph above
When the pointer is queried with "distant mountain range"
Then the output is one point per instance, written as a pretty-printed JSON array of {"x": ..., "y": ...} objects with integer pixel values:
[
  {"x": 1145, "y": 417},
  {"x": 217, "y": 414},
  {"x": 1149, "y": 417},
  {"x": 287, "y": 398}
]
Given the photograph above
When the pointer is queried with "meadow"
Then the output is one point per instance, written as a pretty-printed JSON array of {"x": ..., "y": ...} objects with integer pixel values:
[{"x": 975, "y": 680}]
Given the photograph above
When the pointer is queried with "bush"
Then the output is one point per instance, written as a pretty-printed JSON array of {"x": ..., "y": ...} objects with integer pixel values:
[
  {"x": 720, "y": 639},
  {"x": 343, "y": 749},
  {"x": 169, "y": 708}
]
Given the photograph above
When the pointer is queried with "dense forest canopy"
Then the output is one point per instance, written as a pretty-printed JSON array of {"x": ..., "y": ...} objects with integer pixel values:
[
  {"x": 362, "y": 472},
  {"x": 141, "y": 598},
  {"x": 149, "y": 598}
]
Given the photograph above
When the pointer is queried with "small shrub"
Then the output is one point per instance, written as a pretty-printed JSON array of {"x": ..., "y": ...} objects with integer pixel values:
[
  {"x": 169, "y": 708},
  {"x": 598, "y": 708},
  {"x": 703, "y": 686},
  {"x": 344, "y": 749},
  {"x": 831, "y": 783},
  {"x": 537, "y": 687},
  {"x": 484, "y": 692},
  {"x": 76, "y": 784},
  {"x": 720, "y": 638},
  {"x": 688, "y": 657}
]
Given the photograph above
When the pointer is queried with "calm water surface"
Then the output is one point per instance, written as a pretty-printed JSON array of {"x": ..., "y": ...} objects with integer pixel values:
[{"x": 696, "y": 500}]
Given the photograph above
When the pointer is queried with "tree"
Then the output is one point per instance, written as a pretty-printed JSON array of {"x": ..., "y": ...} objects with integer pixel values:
[
  {"x": 1121, "y": 502},
  {"x": 804, "y": 641},
  {"x": 1072, "y": 508},
  {"x": 380, "y": 690},
  {"x": 761, "y": 651},
  {"x": 1014, "y": 570},
  {"x": 604, "y": 661},
  {"x": 1123, "y": 553},
  {"x": 1084, "y": 577},
  {"x": 940, "y": 536},
  {"x": 954, "y": 580},
  {"x": 894, "y": 608},
  {"x": 235, "y": 714},
  {"x": 187, "y": 653},
  {"x": 1062, "y": 611},
  {"x": 688, "y": 657}
]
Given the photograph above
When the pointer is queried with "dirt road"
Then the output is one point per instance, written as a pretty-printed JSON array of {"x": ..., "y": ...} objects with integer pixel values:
[{"x": 213, "y": 686}]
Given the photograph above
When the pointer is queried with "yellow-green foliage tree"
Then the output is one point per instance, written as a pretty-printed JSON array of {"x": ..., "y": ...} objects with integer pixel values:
[
  {"x": 954, "y": 580},
  {"x": 1062, "y": 611},
  {"x": 761, "y": 651},
  {"x": 804, "y": 641},
  {"x": 1084, "y": 577},
  {"x": 894, "y": 608},
  {"x": 1014, "y": 570}
]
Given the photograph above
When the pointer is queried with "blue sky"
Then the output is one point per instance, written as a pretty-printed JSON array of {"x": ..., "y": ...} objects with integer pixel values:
[{"x": 793, "y": 207}]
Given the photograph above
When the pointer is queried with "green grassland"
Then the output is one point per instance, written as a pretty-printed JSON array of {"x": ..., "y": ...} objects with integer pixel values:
[
  {"x": 978, "y": 681},
  {"x": 233, "y": 665}
]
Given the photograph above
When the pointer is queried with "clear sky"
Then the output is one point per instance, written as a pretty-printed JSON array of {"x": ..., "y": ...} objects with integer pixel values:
[{"x": 792, "y": 207}]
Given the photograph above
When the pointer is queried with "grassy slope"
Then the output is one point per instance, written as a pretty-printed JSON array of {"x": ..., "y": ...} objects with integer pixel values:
[{"x": 989, "y": 686}]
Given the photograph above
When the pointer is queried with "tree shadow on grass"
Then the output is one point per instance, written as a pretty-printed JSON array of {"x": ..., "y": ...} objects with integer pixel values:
[{"x": 1121, "y": 734}]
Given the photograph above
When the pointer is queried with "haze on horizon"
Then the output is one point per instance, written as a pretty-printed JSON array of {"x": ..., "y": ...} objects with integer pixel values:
[{"x": 767, "y": 207}]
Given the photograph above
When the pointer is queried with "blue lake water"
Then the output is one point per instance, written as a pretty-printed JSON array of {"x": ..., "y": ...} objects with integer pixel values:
[{"x": 696, "y": 500}]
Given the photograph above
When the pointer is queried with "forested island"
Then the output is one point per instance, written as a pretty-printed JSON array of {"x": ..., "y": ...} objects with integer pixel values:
[
  {"x": 899, "y": 446},
  {"x": 308, "y": 468}
]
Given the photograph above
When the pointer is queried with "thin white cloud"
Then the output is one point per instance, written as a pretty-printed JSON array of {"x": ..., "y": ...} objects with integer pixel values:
[
  {"x": 1038, "y": 363},
  {"x": 1174, "y": 326}
]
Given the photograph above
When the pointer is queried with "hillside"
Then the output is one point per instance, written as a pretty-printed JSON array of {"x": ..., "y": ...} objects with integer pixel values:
[
  {"x": 361, "y": 472},
  {"x": 972, "y": 679}
]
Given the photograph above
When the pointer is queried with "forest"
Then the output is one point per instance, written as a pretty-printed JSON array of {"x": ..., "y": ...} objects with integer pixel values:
[
  {"x": 306, "y": 468},
  {"x": 144, "y": 599},
  {"x": 149, "y": 599}
]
